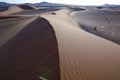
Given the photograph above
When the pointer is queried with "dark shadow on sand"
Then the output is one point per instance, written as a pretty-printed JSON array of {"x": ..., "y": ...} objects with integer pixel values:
[
  {"x": 8, "y": 17},
  {"x": 31, "y": 53}
]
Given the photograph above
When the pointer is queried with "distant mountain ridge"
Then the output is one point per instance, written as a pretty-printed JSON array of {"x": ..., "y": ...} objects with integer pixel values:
[
  {"x": 4, "y": 4},
  {"x": 45, "y": 4},
  {"x": 111, "y": 6}
]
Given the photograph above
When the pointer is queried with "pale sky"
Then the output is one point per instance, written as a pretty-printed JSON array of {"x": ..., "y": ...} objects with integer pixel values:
[{"x": 77, "y": 2}]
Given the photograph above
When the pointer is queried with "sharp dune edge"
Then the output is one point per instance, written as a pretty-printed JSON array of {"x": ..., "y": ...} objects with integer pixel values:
[{"x": 83, "y": 56}]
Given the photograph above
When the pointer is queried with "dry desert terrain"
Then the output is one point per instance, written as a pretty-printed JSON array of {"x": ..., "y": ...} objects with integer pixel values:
[{"x": 61, "y": 44}]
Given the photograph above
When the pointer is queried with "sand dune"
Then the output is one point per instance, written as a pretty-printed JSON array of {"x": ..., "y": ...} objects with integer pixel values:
[
  {"x": 17, "y": 8},
  {"x": 30, "y": 52},
  {"x": 83, "y": 56},
  {"x": 27, "y": 7},
  {"x": 29, "y": 48},
  {"x": 13, "y": 9}
]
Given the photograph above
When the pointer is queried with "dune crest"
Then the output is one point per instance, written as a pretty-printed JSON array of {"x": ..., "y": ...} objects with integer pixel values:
[{"x": 83, "y": 56}]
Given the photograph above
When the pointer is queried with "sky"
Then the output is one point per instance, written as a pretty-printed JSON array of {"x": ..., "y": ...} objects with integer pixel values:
[{"x": 75, "y": 2}]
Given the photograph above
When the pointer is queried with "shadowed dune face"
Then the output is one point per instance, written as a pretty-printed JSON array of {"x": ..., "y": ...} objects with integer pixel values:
[
  {"x": 27, "y": 7},
  {"x": 31, "y": 53},
  {"x": 77, "y": 9},
  {"x": 35, "y": 12},
  {"x": 99, "y": 7},
  {"x": 10, "y": 26}
]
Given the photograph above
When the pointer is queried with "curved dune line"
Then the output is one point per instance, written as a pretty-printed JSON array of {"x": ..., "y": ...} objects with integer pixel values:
[{"x": 83, "y": 56}]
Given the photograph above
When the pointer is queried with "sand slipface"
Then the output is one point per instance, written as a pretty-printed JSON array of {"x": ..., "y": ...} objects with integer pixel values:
[
  {"x": 83, "y": 56},
  {"x": 32, "y": 52},
  {"x": 26, "y": 7}
]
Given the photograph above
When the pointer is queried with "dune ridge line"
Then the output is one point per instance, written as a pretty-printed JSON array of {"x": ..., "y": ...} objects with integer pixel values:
[{"x": 83, "y": 56}]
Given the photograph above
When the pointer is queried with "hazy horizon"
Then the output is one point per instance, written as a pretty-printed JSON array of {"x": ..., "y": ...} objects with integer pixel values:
[{"x": 74, "y": 2}]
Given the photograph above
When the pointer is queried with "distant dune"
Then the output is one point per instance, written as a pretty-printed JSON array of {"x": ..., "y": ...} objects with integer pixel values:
[
  {"x": 27, "y": 7},
  {"x": 17, "y": 8},
  {"x": 13, "y": 9}
]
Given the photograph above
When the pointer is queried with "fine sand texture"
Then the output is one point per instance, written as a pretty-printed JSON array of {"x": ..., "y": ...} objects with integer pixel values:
[
  {"x": 83, "y": 56},
  {"x": 31, "y": 51}
]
